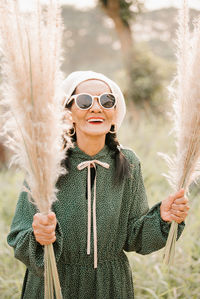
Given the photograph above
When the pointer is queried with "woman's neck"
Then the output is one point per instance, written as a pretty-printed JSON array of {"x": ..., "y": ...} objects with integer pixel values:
[{"x": 90, "y": 145}]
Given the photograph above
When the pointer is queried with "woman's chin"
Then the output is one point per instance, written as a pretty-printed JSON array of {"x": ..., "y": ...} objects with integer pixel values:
[{"x": 96, "y": 132}]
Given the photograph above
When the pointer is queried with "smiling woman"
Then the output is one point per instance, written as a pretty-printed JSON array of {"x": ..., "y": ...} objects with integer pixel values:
[
  {"x": 93, "y": 122},
  {"x": 104, "y": 104},
  {"x": 102, "y": 208}
]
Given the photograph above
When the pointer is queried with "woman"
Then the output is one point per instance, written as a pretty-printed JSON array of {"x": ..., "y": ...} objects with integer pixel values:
[{"x": 102, "y": 208}]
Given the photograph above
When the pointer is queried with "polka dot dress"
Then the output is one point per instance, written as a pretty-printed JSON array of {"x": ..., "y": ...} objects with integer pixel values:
[{"x": 124, "y": 222}]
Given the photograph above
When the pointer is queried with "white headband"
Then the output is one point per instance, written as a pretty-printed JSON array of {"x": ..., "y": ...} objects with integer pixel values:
[{"x": 75, "y": 78}]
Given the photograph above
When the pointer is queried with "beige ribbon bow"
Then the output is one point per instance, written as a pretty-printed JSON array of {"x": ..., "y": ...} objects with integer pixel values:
[{"x": 81, "y": 166}]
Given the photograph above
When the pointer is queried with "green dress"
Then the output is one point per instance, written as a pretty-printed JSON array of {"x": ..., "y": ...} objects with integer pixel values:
[{"x": 123, "y": 222}]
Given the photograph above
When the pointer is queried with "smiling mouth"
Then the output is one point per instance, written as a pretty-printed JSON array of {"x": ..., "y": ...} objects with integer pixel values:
[{"x": 95, "y": 121}]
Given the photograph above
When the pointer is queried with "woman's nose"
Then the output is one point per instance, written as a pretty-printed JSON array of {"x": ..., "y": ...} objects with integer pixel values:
[{"x": 96, "y": 106}]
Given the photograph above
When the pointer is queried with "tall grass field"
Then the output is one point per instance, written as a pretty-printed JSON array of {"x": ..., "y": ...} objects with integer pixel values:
[{"x": 152, "y": 279}]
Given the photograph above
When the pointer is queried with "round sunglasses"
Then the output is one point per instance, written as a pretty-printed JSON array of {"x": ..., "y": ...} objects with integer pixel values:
[{"x": 84, "y": 101}]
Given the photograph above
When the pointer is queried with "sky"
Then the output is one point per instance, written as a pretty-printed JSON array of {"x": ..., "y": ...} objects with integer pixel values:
[{"x": 85, "y": 4}]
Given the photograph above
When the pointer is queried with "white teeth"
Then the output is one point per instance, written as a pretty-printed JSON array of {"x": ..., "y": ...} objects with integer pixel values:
[{"x": 95, "y": 119}]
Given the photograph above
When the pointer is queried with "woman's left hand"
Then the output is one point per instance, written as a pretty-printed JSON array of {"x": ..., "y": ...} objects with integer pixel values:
[{"x": 175, "y": 207}]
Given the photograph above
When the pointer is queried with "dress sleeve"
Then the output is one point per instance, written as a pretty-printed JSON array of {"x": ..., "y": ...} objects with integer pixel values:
[
  {"x": 146, "y": 231},
  {"x": 22, "y": 239}
]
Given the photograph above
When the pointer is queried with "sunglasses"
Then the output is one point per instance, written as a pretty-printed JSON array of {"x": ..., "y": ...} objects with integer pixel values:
[{"x": 84, "y": 101}]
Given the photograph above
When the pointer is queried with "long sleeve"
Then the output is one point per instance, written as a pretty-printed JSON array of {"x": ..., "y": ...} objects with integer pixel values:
[
  {"x": 146, "y": 232},
  {"x": 22, "y": 239}
]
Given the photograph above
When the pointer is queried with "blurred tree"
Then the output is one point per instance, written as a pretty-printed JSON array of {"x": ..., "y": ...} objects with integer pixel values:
[
  {"x": 143, "y": 81},
  {"x": 122, "y": 12},
  {"x": 148, "y": 76}
]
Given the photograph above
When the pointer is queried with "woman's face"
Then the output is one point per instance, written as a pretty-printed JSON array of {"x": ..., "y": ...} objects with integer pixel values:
[{"x": 82, "y": 118}]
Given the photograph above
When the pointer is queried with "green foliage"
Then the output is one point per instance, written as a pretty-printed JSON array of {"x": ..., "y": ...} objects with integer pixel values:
[
  {"x": 149, "y": 76},
  {"x": 127, "y": 13}
]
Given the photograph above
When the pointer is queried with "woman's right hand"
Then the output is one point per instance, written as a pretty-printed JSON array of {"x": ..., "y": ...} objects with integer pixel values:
[{"x": 44, "y": 228}]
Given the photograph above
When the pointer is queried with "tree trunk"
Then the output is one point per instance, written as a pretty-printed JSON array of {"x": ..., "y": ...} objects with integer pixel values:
[
  {"x": 123, "y": 30},
  {"x": 3, "y": 157}
]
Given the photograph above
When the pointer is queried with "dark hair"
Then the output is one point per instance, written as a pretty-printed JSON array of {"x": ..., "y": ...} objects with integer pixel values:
[{"x": 122, "y": 165}]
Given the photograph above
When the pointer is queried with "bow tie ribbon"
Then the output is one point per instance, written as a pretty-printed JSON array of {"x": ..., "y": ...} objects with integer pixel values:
[{"x": 81, "y": 166}]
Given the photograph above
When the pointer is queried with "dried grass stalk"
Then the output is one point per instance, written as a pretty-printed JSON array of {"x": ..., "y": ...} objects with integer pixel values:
[
  {"x": 184, "y": 166},
  {"x": 31, "y": 58}
]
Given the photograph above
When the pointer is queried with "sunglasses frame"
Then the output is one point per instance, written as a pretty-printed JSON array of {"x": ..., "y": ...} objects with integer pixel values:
[{"x": 74, "y": 97}]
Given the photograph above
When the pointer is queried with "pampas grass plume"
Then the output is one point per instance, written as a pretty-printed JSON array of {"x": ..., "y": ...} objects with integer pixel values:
[
  {"x": 31, "y": 51},
  {"x": 184, "y": 165}
]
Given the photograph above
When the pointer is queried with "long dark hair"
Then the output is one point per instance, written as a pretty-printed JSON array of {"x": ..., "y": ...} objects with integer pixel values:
[{"x": 122, "y": 165}]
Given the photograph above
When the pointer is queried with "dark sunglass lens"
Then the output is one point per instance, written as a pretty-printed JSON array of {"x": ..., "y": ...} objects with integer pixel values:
[
  {"x": 84, "y": 101},
  {"x": 107, "y": 100}
]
